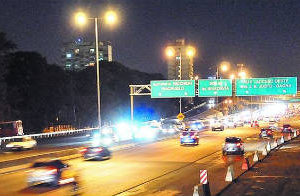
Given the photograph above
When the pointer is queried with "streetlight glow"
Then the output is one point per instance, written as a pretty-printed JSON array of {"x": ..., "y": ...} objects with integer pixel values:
[
  {"x": 232, "y": 76},
  {"x": 111, "y": 17},
  {"x": 224, "y": 66},
  {"x": 190, "y": 51},
  {"x": 80, "y": 18},
  {"x": 170, "y": 52},
  {"x": 242, "y": 74}
]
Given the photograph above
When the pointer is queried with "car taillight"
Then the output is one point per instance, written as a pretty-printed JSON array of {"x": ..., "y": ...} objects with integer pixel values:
[
  {"x": 238, "y": 144},
  {"x": 83, "y": 150},
  {"x": 98, "y": 149}
]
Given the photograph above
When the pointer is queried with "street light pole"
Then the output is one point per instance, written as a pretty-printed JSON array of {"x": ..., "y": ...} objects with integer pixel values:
[
  {"x": 98, "y": 72},
  {"x": 180, "y": 78}
]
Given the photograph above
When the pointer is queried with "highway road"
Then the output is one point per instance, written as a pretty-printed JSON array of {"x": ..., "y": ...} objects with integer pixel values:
[{"x": 159, "y": 168}]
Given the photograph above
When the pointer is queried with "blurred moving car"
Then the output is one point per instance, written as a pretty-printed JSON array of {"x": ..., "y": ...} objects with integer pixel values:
[
  {"x": 239, "y": 123},
  {"x": 266, "y": 133},
  {"x": 53, "y": 172},
  {"x": 23, "y": 143},
  {"x": 95, "y": 152},
  {"x": 286, "y": 128},
  {"x": 189, "y": 136},
  {"x": 233, "y": 145},
  {"x": 217, "y": 125},
  {"x": 254, "y": 123},
  {"x": 230, "y": 124}
]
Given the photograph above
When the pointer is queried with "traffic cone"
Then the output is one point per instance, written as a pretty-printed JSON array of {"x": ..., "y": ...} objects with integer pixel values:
[
  {"x": 255, "y": 157},
  {"x": 245, "y": 165},
  {"x": 275, "y": 143},
  {"x": 268, "y": 147},
  {"x": 289, "y": 137},
  {"x": 282, "y": 140},
  {"x": 229, "y": 174},
  {"x": 196, "y": 192},
  {"x": 264, "y": 151}
]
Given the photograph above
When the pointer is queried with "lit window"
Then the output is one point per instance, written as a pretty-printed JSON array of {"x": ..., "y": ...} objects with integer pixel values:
[
  {"x": 92, "y": 63},
  {"x": 68, "y": 55},
  {"x": 92, "y": 50},
  {"x": 76, "y": 51}
]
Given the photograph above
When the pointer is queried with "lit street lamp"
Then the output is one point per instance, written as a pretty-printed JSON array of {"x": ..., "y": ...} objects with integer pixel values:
[
  {"x": 170, "y": 53},
  {"x": 81, "y": 19}
]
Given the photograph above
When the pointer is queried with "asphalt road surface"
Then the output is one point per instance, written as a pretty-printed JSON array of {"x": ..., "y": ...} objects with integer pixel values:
[{"x": 160, "y": 168}]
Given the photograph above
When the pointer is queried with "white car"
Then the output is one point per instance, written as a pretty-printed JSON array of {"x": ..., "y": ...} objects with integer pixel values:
[
  {"x": 217, "y": 125},
  {"x": 21, "y": 144}
]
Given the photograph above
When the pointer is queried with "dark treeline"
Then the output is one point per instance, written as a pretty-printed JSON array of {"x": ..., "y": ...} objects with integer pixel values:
[{"x": 42, "y": 94}]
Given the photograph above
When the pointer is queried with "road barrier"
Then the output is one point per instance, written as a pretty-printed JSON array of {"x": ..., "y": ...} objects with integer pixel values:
[
  {"x": 282, "y": 140},
  {"x": 230, "y": 174},
  {"x": 48, "y": 135},
  {"x": 268, "y": 147},
  {"x": 246, "y": 164},
  {"x": 275, "y": 144},
  {"x": 205, "y": 183},
  {"x": 255, "y": 157},
  {"x": 196, "y": 191},
  {"x": 264, "y": 151}
]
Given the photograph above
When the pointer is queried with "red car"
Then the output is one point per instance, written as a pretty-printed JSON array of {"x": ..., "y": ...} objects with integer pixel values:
[
  {"x": 286, "y": 128},
  {"x": 266, "y": 133},
  {"x": 254, "y": 124}
]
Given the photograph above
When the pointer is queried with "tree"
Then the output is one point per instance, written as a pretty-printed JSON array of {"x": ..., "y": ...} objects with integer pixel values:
[
  {"x": 35, "y": 90},
  {"x": 6, "y": 47}
]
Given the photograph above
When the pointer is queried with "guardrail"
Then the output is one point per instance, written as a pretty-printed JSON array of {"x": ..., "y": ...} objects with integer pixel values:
[{"x": 47, "y": 135}]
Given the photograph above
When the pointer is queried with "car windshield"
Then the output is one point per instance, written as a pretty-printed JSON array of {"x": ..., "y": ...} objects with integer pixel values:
[
  {"x": 286, "y": 126},
  {"x": 188, "y": 133},
  {"x": 232, "y": 140}
]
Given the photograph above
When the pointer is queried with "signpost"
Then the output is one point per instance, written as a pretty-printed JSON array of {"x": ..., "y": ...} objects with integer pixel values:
[
  {"x": 172, "y": 88},
  {"x": 215, "y": 88},
  {"x": 266, "y": 86}
]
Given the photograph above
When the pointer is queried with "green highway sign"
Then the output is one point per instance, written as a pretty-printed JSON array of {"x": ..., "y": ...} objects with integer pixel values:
[
  {"x": 266, "y": 86},
  {"x": 215, "y": 88},
  {"x": 172, "y": 88}
]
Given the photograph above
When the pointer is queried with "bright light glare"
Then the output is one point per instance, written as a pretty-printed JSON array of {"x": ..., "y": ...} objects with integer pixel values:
[
  {"x": 111, "y": 17},
  {"x": 224, "y": 66},
  {"x": 170, "y": 52},
  {"x": 80, "y": 18},
  {"x": 125, "y": 130},
  {"x": 232, "y": 76},
  {"x": 190, "y": 51},
  {"x": 242, "y": 74}
]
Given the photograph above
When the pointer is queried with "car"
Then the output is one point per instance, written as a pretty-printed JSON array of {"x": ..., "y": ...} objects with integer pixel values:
[
  {"x": 95, "y": 153},
  {"x": 230, "y": 124},
  {"x": 233, "y": 145},
  {"x": 197, "y": 125},
  {"x": 266, "y": 133},
  {"x": 239, "y": 123},
  {"x": 254, "y": 123},
  {"x": 286, "y": 128},
  {"x": 23, "y": 143},
  {"x": 189, "y": 136},
  {"x": 51, "y": 172},
  {"x": 217, "y": 125}
]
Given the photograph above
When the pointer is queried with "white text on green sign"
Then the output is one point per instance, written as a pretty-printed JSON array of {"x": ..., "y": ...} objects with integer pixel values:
[
  {"x": 266, "y": 86},
  {"x": 172, "y": 88},
  {"x": 215, "y": 88}
]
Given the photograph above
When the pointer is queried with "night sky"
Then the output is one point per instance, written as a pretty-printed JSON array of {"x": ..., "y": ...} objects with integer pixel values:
[{"x": 263, "y": 35}]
